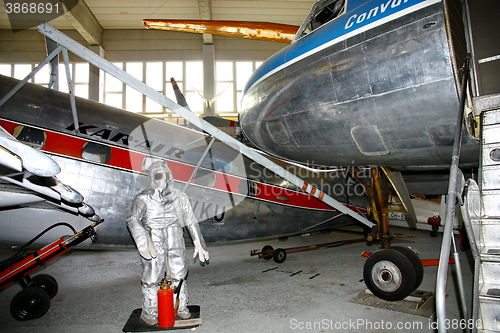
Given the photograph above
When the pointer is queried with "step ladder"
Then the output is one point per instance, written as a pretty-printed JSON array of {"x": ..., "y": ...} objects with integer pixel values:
[{"x": 481, "y": 213}]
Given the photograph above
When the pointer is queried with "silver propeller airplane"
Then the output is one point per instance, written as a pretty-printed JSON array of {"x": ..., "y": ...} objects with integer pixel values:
[{"x": 103, "y": 162}]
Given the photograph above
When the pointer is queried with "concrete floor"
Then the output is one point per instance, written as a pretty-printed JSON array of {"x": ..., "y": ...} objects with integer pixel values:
[{"x": 309, "y": 292}]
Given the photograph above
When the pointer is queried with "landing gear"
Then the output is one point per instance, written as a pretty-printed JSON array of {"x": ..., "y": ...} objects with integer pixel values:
[
  {"x": 415, "y": 261},
  {"x": 393, "y": 272},
  {"x": 389, "y": 275}
]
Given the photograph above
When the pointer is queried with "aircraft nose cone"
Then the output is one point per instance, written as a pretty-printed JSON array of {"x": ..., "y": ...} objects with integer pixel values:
[
  {"x": 43, "y": 167},
  {"x": 66, "y": 192},
  {"x": 86, "y": 210}
]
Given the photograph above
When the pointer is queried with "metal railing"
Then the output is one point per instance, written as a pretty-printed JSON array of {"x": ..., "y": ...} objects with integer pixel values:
[{"x": 454, "y": 194}]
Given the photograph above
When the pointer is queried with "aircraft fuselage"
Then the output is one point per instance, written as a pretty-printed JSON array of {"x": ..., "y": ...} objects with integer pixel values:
[{"x": 377, "y": 85}]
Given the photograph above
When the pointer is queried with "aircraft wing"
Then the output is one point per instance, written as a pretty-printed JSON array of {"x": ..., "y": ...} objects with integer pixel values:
[
  {"x": 12, "y": 195},
  {"x": 254, "y": 30},
  {"x": 29, "y": 176}
]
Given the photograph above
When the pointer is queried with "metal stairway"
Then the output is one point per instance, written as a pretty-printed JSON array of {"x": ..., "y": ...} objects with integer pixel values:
[
  {"x": 481, "y": 213},
  {"x": 479, "y": 201}
]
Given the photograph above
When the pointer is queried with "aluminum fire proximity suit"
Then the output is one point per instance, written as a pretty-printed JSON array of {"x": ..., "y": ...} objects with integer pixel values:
[{"x": 156, "y": 221}]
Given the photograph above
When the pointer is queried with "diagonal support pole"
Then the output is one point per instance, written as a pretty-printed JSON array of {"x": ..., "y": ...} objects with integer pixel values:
[
  {"x": 205, "y": 153},
  {"x": 21, "y": 84},
  {"x": 71, "y": 90}
]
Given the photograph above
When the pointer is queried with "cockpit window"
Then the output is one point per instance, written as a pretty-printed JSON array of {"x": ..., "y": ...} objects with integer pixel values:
[{"x": 322, "y": 12}]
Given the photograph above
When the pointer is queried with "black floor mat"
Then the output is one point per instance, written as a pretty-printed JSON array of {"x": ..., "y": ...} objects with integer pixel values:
[{"x": 135, "y": 324}]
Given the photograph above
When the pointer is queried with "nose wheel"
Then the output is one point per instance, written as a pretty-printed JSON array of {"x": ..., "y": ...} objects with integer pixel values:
[{"x": 390, "y": 275}]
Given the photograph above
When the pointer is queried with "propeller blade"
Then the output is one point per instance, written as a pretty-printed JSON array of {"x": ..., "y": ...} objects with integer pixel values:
[{"x": 179, "y": 96}]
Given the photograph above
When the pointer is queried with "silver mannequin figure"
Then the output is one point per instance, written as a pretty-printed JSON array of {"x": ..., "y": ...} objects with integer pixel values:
[{"x": 156, "y": 221}]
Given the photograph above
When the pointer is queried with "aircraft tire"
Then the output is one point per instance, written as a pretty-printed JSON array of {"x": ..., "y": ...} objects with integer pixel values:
[
  {"x": 47, "y": 283},
  {"x": 29, "y": 303},
  {"x": 415, "y": 261},
  {"x": 279, "y": 256},
  {"x": 267, "y": 252},
  {"x": 389, "y": 275}
]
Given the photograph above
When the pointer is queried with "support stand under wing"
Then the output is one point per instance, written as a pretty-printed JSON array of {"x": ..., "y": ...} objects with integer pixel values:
[{"x": 92, "y": 58}]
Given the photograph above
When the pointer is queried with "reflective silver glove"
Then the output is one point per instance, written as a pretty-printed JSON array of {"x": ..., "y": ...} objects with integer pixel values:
[
  {"x": 150, "y": 251},
  {"x": 200, "y": 252}
]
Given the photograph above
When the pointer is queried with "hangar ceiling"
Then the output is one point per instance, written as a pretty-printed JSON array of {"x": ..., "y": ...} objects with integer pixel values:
[
  {"x": 91, "y": 17},
  {"x": 127, "y": 14}
]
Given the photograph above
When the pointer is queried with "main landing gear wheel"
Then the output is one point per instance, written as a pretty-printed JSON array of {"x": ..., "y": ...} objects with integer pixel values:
[
  {"x": 29, "y": 303},
  {"x": 267, "y": 252},
  {"x": 415, "y": 261},
  {"x": 279, "y": 256},
  {"x": 389, "y": 275},
  {"x": 47, "y": 283}
]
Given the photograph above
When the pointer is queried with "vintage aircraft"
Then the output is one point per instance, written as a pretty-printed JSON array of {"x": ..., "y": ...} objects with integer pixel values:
[
  {"x": 363, "y": 83},
  {"x": 367, "y": 83},
  {"x": 103, "y": 161}
]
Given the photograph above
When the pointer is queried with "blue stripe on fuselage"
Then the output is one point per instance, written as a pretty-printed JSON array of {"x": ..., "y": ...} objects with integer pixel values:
[{"x": 359, "y": 14}]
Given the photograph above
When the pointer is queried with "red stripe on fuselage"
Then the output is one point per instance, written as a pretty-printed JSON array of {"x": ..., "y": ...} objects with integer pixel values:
[{"x": 71, "y": 146}]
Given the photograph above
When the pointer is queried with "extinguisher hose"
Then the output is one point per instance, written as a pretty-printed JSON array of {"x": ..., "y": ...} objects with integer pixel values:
[{"x": 178, "y": 292}]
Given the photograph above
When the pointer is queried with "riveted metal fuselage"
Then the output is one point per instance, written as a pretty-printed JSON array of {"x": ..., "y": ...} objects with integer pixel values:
[{"x": 375, "y": 86}]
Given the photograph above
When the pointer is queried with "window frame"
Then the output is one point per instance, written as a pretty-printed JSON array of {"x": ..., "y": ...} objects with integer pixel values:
[
  {"x": 314, "y": 12},
  {"x": 18, "y": 131},
  {"x": 88, "y": 156}
]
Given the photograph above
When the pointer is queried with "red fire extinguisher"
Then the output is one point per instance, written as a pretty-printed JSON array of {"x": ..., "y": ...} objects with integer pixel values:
[{"x": 166, "y": 304}]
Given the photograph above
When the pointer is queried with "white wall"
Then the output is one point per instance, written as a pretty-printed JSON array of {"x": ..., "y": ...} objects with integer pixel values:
[{"x": 27, "y": 46}]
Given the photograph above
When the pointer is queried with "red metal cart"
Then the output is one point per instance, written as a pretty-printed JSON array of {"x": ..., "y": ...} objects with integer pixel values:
[{"x": 34, "y": 300}]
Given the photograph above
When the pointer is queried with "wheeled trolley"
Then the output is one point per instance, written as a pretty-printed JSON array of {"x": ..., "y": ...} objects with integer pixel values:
[
  {"x": 279, "y": 255},
  {"x": 34, "y": 300}
]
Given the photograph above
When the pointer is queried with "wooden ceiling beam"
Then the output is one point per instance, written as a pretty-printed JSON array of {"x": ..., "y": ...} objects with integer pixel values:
[{"x": 84, "y": 21}]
